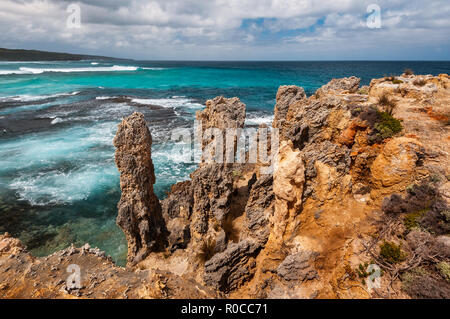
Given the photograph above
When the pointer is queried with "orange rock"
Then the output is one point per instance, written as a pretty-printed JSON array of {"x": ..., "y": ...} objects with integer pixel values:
[{"x": 396, "y": 163}]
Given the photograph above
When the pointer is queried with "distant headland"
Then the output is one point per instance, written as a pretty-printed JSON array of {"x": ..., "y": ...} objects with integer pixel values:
[{"x": 35, "y": 55}]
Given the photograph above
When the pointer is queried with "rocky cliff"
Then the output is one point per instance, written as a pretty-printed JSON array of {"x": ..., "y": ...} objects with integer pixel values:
[{"x": 361, "y": 180}]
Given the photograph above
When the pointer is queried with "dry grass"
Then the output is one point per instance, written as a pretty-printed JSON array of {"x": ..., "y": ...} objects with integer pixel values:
[
  {"x": 230, "y": 229},
  {"x": 408, "y": 72},
  {"x": 206, "y": 250},
  {"x": 419, "y": 82},
  {"x": 387, "y": 103}
]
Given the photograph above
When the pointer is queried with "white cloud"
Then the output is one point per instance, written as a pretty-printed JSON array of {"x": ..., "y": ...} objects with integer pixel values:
[{"x": 190, "y": 29}]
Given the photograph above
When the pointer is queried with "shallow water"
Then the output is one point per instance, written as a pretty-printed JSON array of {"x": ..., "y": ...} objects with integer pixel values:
[{"x": 58, "y": 181}]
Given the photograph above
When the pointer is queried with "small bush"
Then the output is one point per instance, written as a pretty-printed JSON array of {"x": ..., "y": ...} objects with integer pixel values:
[
  {"x": 419, "y": 82},
  {"x": 408, "y": 72},
  {"x": 391, "y": 253},
  {"x": 444, "y": 268},
  {"x": 238, "y": 174},
  {"x": 419, "y": 283},
  {"x": 364, "y": 90},
  {"x": 388, "y": 126},
  {"x": 411, "y": 220},
  {"x": 387, "y": 103},
  {"x": 396, "y": 81},
  {"x": 446, "y": 215},
  {"x": 350, "y": 272}
]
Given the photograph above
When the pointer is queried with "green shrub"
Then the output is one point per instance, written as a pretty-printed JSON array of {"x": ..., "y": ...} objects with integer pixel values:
[
  {"x": 364, "y": 90},
  {"x": 444, "y": 268},
  {"x": 411, "y": 220},
  {"x": 391, "y": 253},
  {"x": 446, "y": 215},
  {"x": 396, "y": 81},
  {"x": 388, "y": 126},
  {"x": 238, "y": 174}
]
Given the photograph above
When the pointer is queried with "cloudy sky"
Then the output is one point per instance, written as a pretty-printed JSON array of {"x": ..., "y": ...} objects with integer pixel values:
[{"x": 231, "y": 29}]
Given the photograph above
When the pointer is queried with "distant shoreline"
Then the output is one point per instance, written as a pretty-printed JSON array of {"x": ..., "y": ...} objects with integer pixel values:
[{"x": 17, "y": 55}]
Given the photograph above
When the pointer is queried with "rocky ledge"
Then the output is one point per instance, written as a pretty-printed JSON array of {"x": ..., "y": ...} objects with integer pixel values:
[{"x": 361, "y": 180}]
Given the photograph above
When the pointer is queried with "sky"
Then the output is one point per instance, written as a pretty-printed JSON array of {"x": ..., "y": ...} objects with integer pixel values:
[{"x": 231, "y": 29}]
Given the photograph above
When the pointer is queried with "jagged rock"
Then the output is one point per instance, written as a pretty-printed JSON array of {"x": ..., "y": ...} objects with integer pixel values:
[
  {"x": 212, "y": 183},
  {"x": 336, "y": 86},
  {"x": 327, "y": 153},
  {"x": 9, "y": 245},
  {"x": 288, "y": 184},
  {"x": 177, "y": 210},
  {"x": 298, "y": 267},
  {"x": 286, "y": 95},
  {"x": 212, "y": 187},
  {"x": 314, "y": 120},
  {"x": 229, "y": 269},
  {"x": 259, "y": 208},
  {"x": 139, "y": 210},
  {"x": 220, "y": 114},
  {"x": 29, "y": 277}
]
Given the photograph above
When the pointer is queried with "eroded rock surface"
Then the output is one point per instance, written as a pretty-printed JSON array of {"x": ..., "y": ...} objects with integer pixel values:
[
  {"x": 286, "y": 95},
  {"x": 230, "y": 269},
  {"x": 139, "y": 210}
]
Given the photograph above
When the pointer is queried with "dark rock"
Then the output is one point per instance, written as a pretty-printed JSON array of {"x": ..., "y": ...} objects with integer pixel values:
[
  {"x": 298, "y": 267},
  {"x": 286, "y": 95},
  {"x": 258, "y": 209},
  {"x": 139, "y": 210},
  {"x": 177, "y": 210},
  {"x": 327, "y": 153},
  {"x": 228, "y": 270}
]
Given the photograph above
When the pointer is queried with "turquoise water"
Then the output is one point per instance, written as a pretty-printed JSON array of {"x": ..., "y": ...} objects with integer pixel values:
[{"x": 58, "y": 181}]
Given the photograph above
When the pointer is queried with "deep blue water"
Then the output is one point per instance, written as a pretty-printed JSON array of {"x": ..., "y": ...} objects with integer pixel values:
[{"x": 58, "y": 181}]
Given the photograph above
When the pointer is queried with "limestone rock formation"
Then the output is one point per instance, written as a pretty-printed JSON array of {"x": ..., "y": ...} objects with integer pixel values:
[
  {"x": 336, "y": 86},
  {"x": 258, "y": 210},
  {"x": 139, "y": 210},
  {"x": 177, "y": 210},
  {"x": 288, "y": 185},
  {"x": 298, "y": 267},
  {"x": 230, "y": 269},
  {"x": 397, "y": 162},
  {"x": 286, "y": 95},
  {"x": 219, "y": 115},
  {"x": 25, "y": 276}
]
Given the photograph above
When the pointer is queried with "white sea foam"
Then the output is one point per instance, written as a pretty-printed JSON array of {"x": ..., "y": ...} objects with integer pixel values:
[
  {"x": 27, "y": 70},
  {"x": 258, "y": 120},
  {"x": 170, "y": 103},
  {"x": 56, "y": 120},
  {"x": 57, "y": 187},
  {"x": 105, "y": 97},
  {"x": 88, "y": 149},
  {"x": 32, "y": 98},
  {"x": 154, "y": 69}
]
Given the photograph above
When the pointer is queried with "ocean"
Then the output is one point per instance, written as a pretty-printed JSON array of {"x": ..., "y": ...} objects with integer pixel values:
[{"x": 58, "y": 181}]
